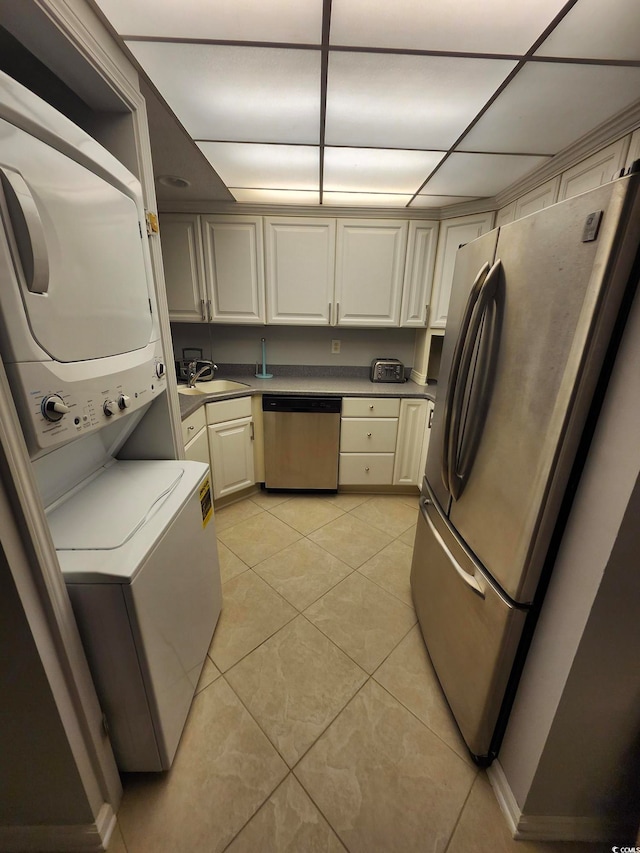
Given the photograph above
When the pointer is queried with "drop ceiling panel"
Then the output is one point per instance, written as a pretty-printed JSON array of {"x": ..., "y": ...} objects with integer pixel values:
[
  {"x": 260, "y": 196},
  {"x": 377, "y": 170},
  {"x": 549, "y": 105},
  {"x": 285, "y": 167},
  {"x": 225, "y": 92},
  {"x": 479, "y": 174},
  {"x": 597, "y": 30},
  {"x": 235, "y": 20},
  {"x": 365, "y": 199},
  {"x": 387, "y": 100},
  {"x": 501, "y": 26}
]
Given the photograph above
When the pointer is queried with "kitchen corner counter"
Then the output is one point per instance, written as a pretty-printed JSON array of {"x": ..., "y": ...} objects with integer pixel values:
[{"x": 304, "y": 385}]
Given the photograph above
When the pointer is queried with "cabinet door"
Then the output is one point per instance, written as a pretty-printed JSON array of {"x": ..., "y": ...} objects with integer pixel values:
[
  {"x": 197, "y": 450},
  {"x": 537, "y": 199},
  {"x": 183, "y": 268},
  {"x": 600, "y": 168},
  {"x": 233, "y": 257},
  {"x": 231, "y": 447},
  {"x": 453, "y": 234},
  {"x": 418, "y": 275},
  {"x": 411, "y": 430},
  {"x": 300, "y": 261},
  {"x": 370, "y": 258},
  {"x": 634, "y": 149}
]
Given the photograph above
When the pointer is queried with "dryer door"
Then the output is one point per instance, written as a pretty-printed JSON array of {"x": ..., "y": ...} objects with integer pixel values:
[{"x": 76, "y": 247}]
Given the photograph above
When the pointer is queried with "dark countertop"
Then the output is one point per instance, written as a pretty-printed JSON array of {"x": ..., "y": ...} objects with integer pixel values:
[{"x": 340, "y": 386}]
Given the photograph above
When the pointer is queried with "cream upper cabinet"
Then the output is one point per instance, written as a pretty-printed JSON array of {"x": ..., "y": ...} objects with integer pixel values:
[
  {"x": 453, "y": 234},
  {"x": 634, "y": 149},
  {"x": 300, "y": 260},
  {"x": 418, "y": 275},
  {"x": 183, "y": 267},
  {"x": 534, "y": 200},
  {"x": 600, "y": 168},
  {"x": 370, "y": 258},
  {"x": 233, "y": 258},
  {"x": 542, "y": 196}
]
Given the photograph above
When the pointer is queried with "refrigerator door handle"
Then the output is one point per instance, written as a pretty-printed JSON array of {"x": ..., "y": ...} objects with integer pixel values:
[
  {"x": 27, "y": 230},
  {"x": 455, "y": 371},
  {"x": 457, "y": 479},
  {"x": 471, "y": 580}
]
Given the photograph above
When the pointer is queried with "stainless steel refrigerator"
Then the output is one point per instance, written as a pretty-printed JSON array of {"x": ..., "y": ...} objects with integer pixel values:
[{"x": 536, "y": 308}]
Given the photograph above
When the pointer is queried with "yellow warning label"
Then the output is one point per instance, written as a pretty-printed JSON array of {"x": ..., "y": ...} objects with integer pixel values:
[{"x": 205, "y": 502}]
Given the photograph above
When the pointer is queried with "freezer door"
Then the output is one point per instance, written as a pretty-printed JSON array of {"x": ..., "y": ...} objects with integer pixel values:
[
  {"x": 471, "y": 632},
  {"x": 473, "y": 262},
  {"x": 555, "y": 306}
]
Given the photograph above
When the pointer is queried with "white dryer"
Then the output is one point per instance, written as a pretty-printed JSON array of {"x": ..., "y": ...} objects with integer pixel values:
[{"x": 79, "y": 334}]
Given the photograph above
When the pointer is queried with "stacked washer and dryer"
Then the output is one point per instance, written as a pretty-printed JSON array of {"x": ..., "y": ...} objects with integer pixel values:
[{"x": 80, "y": 343}]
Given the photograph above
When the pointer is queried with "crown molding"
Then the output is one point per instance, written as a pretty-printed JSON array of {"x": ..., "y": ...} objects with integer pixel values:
[
  {"x": 623, "y": 123},
  {"x": 204, "y": 206}
]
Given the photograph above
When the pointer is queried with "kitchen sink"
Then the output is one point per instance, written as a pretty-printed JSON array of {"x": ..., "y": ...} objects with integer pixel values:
[{"x": 215, "y": 386}]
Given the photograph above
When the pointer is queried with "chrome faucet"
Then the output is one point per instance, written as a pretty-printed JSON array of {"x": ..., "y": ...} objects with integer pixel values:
[{"x": 193, "y": 374}]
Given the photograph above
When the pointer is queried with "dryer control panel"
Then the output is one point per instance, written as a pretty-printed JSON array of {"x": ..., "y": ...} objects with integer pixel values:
[{"x": 57, "y": 404}]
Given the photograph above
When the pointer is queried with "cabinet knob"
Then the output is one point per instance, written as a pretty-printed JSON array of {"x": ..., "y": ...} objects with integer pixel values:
[
  {"x": 368, "y": 435},
  {"x": 190, "y": 429},
  {"x": 371, "y": 406},
  {"x": 367, "y": 468}
]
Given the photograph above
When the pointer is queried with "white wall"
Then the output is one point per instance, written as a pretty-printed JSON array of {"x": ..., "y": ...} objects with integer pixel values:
[{"x": 309, "y": 345}]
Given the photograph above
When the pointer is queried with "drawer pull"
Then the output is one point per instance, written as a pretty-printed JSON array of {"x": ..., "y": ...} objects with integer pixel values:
[
  {"x": 190, "y": 429},
  {"x": 371, "y": 406},
  {"x": 368, "y": 435},
  {"x": 367, "y": 468}
]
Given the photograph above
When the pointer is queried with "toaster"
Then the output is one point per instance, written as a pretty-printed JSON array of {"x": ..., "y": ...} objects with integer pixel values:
[{"x": 387, "y": 370}]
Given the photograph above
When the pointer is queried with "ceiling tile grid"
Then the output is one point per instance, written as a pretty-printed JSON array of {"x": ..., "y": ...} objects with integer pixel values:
[{"x": 365, "y": 102}]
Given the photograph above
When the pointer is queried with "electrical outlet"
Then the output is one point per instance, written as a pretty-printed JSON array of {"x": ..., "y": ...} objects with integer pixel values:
[{"x": 335, "y": 347}]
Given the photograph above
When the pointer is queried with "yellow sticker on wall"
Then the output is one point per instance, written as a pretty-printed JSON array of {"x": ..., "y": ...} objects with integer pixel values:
[{"x": 206, "y": 504}]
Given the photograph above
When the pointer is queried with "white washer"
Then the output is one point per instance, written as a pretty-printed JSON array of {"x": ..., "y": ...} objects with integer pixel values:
[{"x": 137, "y": 548}]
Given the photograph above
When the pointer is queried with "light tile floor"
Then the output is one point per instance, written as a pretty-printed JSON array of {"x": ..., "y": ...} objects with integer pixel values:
[{"x": 318, "y": 724}]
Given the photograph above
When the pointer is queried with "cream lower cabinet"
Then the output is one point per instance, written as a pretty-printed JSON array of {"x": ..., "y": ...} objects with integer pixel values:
[
  {"x": 412, "y": 442},
  {"x": 194, "y": 437},
  {"x": 368, "y": 435},
  {"x": 231, "y": 443}
]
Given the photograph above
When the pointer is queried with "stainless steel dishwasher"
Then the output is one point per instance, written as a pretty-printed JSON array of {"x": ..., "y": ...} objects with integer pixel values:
[{"x": 301, "y": 442}]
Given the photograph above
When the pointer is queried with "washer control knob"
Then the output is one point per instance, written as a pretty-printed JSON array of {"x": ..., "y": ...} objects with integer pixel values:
[
  {"x": 123, "y": 401},
  {"x": 110, "y": 407},
  {"x": 159, "y": 370},
  {"x": 53, "y": 408}
]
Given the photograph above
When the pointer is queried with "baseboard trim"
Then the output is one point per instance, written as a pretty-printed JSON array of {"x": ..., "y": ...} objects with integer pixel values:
[
  {"x": 77, "y": 838},
  {"x": 552, "y": 827}
]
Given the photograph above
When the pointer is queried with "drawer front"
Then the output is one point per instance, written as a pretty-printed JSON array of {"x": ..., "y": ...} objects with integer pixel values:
[
  {"x": 228, "y": 410},
  {"x": 192, "y": 425},
  {"x": 368, "y": 435},
  {"x": 370, "y": 407},
  {"x": 363, "y": 469}
]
